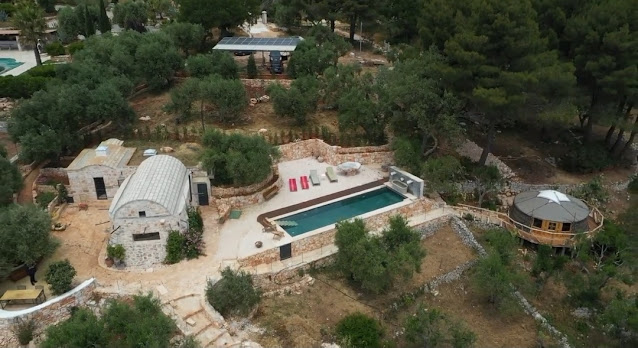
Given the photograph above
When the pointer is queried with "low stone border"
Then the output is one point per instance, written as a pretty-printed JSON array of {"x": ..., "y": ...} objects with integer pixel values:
[{"x": 45, "y": 314}]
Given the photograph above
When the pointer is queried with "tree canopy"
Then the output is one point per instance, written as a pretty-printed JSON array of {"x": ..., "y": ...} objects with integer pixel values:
[
  {"x": 222, "y": 14},
  {"x": 29, "y": 19},
  {"x": 11, "y": 179},
  {"x": 237, "y": 159},
  {"x": 375, "y": 263},
  {"x": 25, "y": 235}
]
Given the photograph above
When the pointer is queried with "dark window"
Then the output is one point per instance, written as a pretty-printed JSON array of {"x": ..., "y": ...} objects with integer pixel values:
[
  {"x": 138, "y": 237},
  {"x": 538, "y": 223},
  {"x": 566, "y": 227},
  {"x": 142, "y": 214},
  {"x": 551, "y": 226}
]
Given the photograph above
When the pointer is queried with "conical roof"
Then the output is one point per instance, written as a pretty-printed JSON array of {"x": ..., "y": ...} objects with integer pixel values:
[{"x": 552, "y": 206}]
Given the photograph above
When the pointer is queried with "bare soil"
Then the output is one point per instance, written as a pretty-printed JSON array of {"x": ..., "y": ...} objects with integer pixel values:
[
  {"x": 12, "y": 148},
  {"x": 260, "y": 116},
  {"x": 307, "y": 318}
]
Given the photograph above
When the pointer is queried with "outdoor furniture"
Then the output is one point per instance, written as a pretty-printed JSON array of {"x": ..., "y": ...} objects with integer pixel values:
[
  {"x": 271, "y": 192},
  {"x": 34, "y": 295},
  {"x": 330, "y": 173},
  {"x": 304, "y": 182},
  {"x": 292, "y": 184},
  {"x": 314, "y": 177},
  {"x": 349, "y": 168}
]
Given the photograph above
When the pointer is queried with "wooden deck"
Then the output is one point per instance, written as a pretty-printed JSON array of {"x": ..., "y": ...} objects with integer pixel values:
[{"x": 534, "y": 235}]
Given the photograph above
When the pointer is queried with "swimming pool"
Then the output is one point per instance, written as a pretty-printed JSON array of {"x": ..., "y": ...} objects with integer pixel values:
[
  {"x": 7, "y": 64},
  {"x": 340, "y": 210}
]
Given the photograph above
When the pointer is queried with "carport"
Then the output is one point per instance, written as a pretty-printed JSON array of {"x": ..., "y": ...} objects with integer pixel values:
[{"x": 243, "y": 44}]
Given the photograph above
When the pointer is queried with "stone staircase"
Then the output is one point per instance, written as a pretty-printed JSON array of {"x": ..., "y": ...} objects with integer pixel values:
[{"x": 194, "y": 318}]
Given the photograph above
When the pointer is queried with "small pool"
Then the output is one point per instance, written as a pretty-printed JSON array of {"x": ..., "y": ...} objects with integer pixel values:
[
  {"x": 7, "y": 64},
  {"x": 340, "y": 210}
]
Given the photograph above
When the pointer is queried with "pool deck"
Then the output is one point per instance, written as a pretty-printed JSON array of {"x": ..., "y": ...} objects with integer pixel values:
[
  {"x": 237, "y": 237},
  {"x": 26, "y": 57}
]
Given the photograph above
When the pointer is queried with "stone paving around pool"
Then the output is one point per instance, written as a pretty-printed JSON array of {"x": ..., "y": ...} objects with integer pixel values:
[
  {"x": 237, "y": 237},
  {"x": 25, "y": 57}
]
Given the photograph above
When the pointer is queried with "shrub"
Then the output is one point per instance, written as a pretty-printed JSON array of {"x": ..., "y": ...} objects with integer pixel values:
[
  {"x": 122, "y": 324},
  {"x": 22, "y": 86},
  {"x": 593, "y": 191},
  {"x": 63, "y": 194},
  {"x": 60, "y": 276},
  {"x": 45, "y": 70},
  {"x": 233, "y": 294},
  {"x": 75, "y": 47},
  {"x": 546, "y": 261},
  {"x": 251, "y": 68},
  {"x": 8, "y": 8},
  {"x": 503, "y": 243},
  {"x": 44, "y": 198},
  {"x": 425, "y": 327},
  {"x": 23, "y": 330},
  {"x": 193, "y": 241},
  {"x": 217, "y": 63},
  {"x": 442, "y": 174},
  {"x": 492, "y": 279},
  {"x": 406, "y": 154},
  {"x": 462, "y": 337},
  {"x": 358, "y": 330},
  {"x": 174, "y": 247},
  {"x": 55, "y": 49},
  {"x": 586, "y": 158},
  {"x": 116, "y": 252}
]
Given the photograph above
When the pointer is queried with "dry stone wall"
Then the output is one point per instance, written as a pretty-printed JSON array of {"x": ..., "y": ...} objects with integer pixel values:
[
  {"x": 48, "y": 313},
  {"x": 336, "y": 154}
]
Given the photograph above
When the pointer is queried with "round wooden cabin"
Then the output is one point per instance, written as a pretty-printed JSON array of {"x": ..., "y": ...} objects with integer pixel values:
[{"x": 550, "y": 217}]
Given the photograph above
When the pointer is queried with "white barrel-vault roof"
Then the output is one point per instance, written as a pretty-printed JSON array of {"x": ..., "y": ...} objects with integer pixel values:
[{"x": 159, "y": 179}]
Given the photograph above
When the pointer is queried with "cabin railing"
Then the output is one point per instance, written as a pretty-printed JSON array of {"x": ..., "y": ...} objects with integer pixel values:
[{"x": 533, "y": 234}]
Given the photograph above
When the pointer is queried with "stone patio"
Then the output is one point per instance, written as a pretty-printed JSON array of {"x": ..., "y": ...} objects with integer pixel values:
[{"x": 237, "y": 237}]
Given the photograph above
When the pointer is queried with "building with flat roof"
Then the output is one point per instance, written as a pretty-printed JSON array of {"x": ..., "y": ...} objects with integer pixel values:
[{"x": 96, "y": 174}]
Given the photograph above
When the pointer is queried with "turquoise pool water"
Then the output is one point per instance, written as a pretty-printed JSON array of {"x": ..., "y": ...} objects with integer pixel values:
[
  {"x": 7, "y": 64},
  {"x": 313, "y": 219}
]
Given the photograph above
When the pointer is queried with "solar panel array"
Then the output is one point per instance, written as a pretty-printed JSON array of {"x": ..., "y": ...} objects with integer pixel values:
[{"x": 253, "y": 41}]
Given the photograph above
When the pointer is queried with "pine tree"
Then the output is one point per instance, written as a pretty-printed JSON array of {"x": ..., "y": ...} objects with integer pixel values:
[
  {"x": 88, "y": 22},
  {"x": 251, "y": 68},
  {"x": 104, "y": 23}
]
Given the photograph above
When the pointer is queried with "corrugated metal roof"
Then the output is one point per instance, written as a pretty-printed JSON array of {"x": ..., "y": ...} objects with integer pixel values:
[
  {"x": 117, "y": 156},
  {"x": 552, "y": 206},
  {"x": 159, "y": 179}
]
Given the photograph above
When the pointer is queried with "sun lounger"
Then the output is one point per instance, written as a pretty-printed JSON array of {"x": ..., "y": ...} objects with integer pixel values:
[
  {"x": 292, "y": 183},
  {"x": 330, "y": 173},
  {"x": 314, "y": 177},
  {"x": 304, "y": 182}
]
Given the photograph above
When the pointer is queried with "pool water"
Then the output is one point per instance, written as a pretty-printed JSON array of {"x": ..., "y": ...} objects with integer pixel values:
[
  {"x": 313, "y": 219},
  {"x": 7, "y": 64}
]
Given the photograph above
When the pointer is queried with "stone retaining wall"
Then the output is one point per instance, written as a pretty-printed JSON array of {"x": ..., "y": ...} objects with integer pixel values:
[
  {"x": 264, "y": 83},
  {"x": 336, "y": 154},
  {"x": 224, "y": 205},
  {"x": 225, "y": 192},
  {"x": 327, "y": 238},
  {"x": 48, "y": 313}
]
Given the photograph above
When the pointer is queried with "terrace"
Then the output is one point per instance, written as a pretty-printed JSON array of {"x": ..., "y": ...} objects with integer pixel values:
[{"x": 237, "y": 237}]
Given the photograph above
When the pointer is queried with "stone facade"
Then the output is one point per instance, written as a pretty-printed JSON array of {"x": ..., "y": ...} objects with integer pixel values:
[
  {"x": 303, "y": 245},
  {"x": 82, "y": 187},
  {"x": 127, "y": 222},
  {"x": 48, "y": 313},
  {"x": 336, "y": 154}
]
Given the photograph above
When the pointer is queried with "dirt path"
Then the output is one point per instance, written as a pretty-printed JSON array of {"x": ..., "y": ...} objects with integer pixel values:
[{"x": 26, "y": 195}]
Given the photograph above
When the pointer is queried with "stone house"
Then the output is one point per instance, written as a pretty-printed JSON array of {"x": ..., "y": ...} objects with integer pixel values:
[
  {"x": 96, "y": 174},
  {"x": 151, "y": 202}
]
